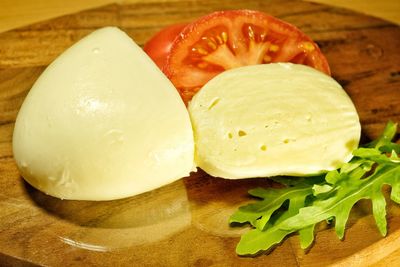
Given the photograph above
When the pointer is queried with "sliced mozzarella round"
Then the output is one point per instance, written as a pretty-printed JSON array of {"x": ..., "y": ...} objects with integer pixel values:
[
  {"x": 273, "y": 119},
  {"x": 102, "y": 122}
]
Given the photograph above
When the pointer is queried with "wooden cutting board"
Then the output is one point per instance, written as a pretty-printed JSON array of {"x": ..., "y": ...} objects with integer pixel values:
[{"x": 185, "y": 223}]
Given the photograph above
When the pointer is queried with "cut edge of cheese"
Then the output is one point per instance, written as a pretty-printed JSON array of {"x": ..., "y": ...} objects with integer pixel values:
[
  {"x": 102, "y": 122},
  {"x": 273, "y": 119}
]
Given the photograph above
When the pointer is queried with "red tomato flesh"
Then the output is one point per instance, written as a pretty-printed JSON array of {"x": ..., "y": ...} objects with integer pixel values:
[
  {"x": 159, "y": 46},
  {"x": 228, "y": 39}
]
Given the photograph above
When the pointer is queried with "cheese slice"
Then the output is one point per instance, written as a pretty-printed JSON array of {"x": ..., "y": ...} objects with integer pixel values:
[
  {"x": 102, "y": 122},
  {"x": 273, "y": 119}
]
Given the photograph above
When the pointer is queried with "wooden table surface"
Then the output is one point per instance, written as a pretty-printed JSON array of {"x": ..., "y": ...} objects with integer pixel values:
[{"x": 17, "y": 13}]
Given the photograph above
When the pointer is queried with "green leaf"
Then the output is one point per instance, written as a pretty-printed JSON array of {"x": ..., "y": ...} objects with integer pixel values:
[
  {"x": 363, "y": 152},
  {"x": 340, "y": 204},
  {"x": 332, "y": 177},
  {"x": 388, "y": 148},
  {"x": 321, "y": 189},
  {"x": 395, "y": 193},
  {"x": 384, "y": 139},
  {"x": 306, "y": 236},
  {"x": 379, "y": 211},
  {"x": 350, "y": 166},
  {"x": 390, "y": 131},
  {"x": 371, "y": 154},
  {"x": 262, "y": 239},
  {"x": 259, "y": 213},
  {"x": 256, "y": 240},
  {"x": 331, "y": 198},
  {"x": 341, "y": 217},
  {"x": 394, "y": 157}
]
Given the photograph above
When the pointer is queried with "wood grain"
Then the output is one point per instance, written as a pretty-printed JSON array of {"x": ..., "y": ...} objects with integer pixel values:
[
  {"x": 18, "y": 13},
  {"x": 185, "y": 223},
  {"x": 387, "y": 9}
]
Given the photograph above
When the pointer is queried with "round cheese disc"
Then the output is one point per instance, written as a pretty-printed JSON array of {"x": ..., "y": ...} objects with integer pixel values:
[
  {"x": 102, "y": 122},
  {"x": 273, "y": 119}
]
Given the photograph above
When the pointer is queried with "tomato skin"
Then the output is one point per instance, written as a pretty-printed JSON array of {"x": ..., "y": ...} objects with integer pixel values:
[
  {"x": 159, "y": 46},
  {"x": 229, "y": 39}
]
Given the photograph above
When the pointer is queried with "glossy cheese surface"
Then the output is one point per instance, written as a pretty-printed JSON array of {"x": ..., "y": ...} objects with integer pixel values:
[
  {"x": 273, "y": 119},
  {"x": 102, "y": 122}
]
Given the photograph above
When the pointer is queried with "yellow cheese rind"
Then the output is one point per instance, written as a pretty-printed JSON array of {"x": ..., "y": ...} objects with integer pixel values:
[
  {"x": 273, "y": 119},
  {"x": 102, "y": 122}
]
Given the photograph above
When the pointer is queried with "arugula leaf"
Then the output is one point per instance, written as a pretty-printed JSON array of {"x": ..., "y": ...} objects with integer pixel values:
[
  {"x": 321, "y": 189},
  {"x": 348, "y": 194},
  {"x": 258, "y": 239},
  {"x": 386, "y": 137},
  {"x": 259, "y": 213},
  {"x": 330, "y": 198}
]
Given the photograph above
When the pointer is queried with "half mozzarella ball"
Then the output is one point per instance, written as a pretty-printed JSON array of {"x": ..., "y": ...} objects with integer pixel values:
[
  {"x": 102, "y": 122},
  {"x": 273, "y": 119}
]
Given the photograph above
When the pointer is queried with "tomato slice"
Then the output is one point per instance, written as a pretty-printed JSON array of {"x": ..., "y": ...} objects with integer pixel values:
[
  {"x": 159, "y": 46},
  {"x": 228, "y": 39}
]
